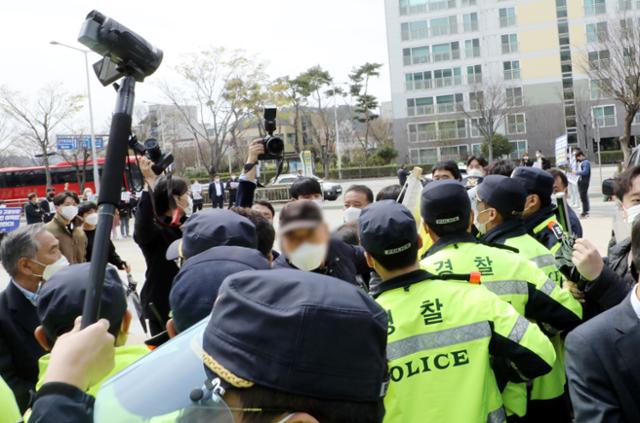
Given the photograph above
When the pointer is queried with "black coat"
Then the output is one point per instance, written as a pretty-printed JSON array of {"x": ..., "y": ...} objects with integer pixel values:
[
  {"x": 19, "y": 350},
  {"x": 154, "y": 239},
  {"x": 603, "y": 366},
  {"x": 33, "y": 213},
  {"x": 60, "y": 402},
  {"x": 47, "y": 213},
  {"x": 112, "y": 258},
  {"x": 344, "y": 262},
  {"x": 212, "y": 189}
]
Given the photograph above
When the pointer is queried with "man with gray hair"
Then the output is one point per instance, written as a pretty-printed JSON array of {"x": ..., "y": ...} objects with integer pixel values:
[{"x": 30, "y": 255}]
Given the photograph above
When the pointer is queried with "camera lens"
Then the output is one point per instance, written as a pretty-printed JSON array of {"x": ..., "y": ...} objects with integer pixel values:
[
  {"x": 153, "y": 149},
  {"x": 275, "y": 146}
]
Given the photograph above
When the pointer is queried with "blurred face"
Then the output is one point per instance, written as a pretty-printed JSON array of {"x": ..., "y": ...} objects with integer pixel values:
[
  {"x": 294, "y": 239},
  {"x": 442, "y": 175},
  {"x": 34, "y": 200},
  {"x": 558, "y": 186},
  {"x": 632, "y": 198},
  {"x": 48, "y": 253},
  {"x": 263, "y": 211},
  {"x": 312, "y": 197},
  {"x": 355, "y": 199}
]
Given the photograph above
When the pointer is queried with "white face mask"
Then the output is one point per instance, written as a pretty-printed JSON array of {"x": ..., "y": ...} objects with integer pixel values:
[
  {"x": 475, "y": 172},
  {"x": 631, "y": 214},
  {"x": 481, "y": 227},
  {"x": 308, "y": 256},
  {"x": 351, "y": 214},
  {"x": 92, "y": 219},
  {"x": 318, "y": 201},
  {"x": 69, "y": 212},
  {"x": 188, "y": 211},
  {"x": 53, "y": 268}
]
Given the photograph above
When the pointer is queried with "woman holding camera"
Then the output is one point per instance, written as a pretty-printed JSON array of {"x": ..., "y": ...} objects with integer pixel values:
[{"x": 164, "y": 205}]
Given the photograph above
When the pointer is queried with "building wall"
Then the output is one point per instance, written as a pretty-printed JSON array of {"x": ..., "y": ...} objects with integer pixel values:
[{"x": 551, "y": 50}]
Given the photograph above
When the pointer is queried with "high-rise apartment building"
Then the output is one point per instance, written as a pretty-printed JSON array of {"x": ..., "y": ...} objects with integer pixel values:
[{"x": 445, "y": 53}]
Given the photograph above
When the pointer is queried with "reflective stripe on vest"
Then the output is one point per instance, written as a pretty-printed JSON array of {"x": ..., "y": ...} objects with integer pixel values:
[
  {"x": 442, "y": 338},
  {"x": 548, "y": 287},
  {"x": 544, "y": 261},
  {"x": 519, "y": 329},
  {"x": 507, "y": 287}
]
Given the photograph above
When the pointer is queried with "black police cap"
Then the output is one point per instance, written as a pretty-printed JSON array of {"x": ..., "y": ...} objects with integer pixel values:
[
  {"x": 445, "y": 203},
  {"x": 61, "y": 299},
  {"x": 297, "y": 332},
  {"x": 195, "y": 287},
  {"x": 212, "y": 228},
  {"x": 534, "y": 180},
  {"x": 387, "y": 229},
  {"x": 504, "y": 194}
]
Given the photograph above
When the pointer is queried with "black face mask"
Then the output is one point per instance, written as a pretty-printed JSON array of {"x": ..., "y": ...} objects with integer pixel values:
[{"x": 50, "y": 197}]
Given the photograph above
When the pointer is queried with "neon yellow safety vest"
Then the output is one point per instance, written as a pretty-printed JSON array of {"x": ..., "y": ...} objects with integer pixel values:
[
  {"x": 124, "y": 357},
  {"x": 549, "y": 233},
  {"x": 549, "y": 386},
  {"x": 9, "y": 411},
  {"x": 441, "y": 337},
  {"x": 517, "y": 281}
]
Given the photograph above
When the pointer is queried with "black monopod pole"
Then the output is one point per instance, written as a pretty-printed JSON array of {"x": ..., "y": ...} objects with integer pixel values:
[{"x": 109, "y": 196}]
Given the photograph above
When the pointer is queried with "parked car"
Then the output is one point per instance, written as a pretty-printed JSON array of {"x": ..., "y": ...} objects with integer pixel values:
[{"x": 331, "y": 191}]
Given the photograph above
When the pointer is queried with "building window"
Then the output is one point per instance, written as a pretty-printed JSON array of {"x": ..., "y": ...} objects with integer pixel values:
[
  {"x": 414, "y": 30},
  {"x": 511, "y": 70},
  {"x": 519, "y": 148},
  {"x": 454, "y": 152},
  {"x": 423, "y": 156},
  {"x": 475, "y": 100},
  {"x": 465, "y": 3},
  {"x": 474, "y": 125},
  {"x": 596, "y": 89},
  {"x": 418, "y": 81},
  {"x": 445, "y": 52},
  {"x": 422, "y": 132},
  {"x": 470, "y": 22},
  {"x": 420, "y": 106},
  {"x": 604, "y": 116},
  {"x": 474, "y": 74},
  {"x": 449, "y": 103},
  {"x": 509, "y": 43},
  {"x": 624, "y": 4},
  {"x": 636, "y": 119},
  {"x": 516, "y": 124},
  {"x": 415, "y": 56},
  {"x": 514, "y": 96},
  {"x": 476, "y": 149},
  {"x": 454, "y": 129},
  {"x": 507, "y": 17},
  {"x": 472, "y": 48},
  {"x": 597, "y": 32},
  {"x": 595, "y": 7},
  {"x": 447, "y": 77},
  {"x": 598, "y": 59},
  {"x": 444, "y": 26},
  {"x": 412, "y": 7}
]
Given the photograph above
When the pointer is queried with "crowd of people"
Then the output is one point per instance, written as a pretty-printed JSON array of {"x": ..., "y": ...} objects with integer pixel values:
[{"x": 481, "y": 305}]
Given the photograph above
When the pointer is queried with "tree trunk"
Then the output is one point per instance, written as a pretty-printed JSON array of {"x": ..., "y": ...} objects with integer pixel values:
[
  {"x": 47, "y": 171},
  {"x": 296, "y": 122},
  {"x": 626, "y": 138}
]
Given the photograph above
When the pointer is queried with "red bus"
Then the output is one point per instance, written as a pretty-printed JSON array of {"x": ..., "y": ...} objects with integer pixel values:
[{"x": 17, "y": 182}]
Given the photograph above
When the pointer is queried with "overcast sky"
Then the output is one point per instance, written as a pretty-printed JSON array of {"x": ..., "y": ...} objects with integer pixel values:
[{"x": 291, "y": 35}]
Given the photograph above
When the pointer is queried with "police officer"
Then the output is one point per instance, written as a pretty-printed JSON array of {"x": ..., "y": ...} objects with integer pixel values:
[
  {"x": 442, "y": 333},
  {"x": 279, "y": 347},
  {"x": 446, "y": 211},
  {"x": 499, "y": 203},
  {"x": 539, "y": 213}
]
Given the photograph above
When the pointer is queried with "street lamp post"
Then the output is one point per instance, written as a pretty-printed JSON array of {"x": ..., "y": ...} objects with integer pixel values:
[{"x": 94, "y": 154}]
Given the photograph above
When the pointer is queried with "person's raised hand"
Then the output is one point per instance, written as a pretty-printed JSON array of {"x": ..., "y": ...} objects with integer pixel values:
[
  {"x": 148, "y": 174},
  {"x": 587, "y": 259},
  {"x": 256, "y": 148},
  {"x": 82, "y": 357}
]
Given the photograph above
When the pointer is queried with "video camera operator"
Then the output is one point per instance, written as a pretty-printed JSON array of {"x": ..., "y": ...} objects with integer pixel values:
[{"x": 164, "y": 205}]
